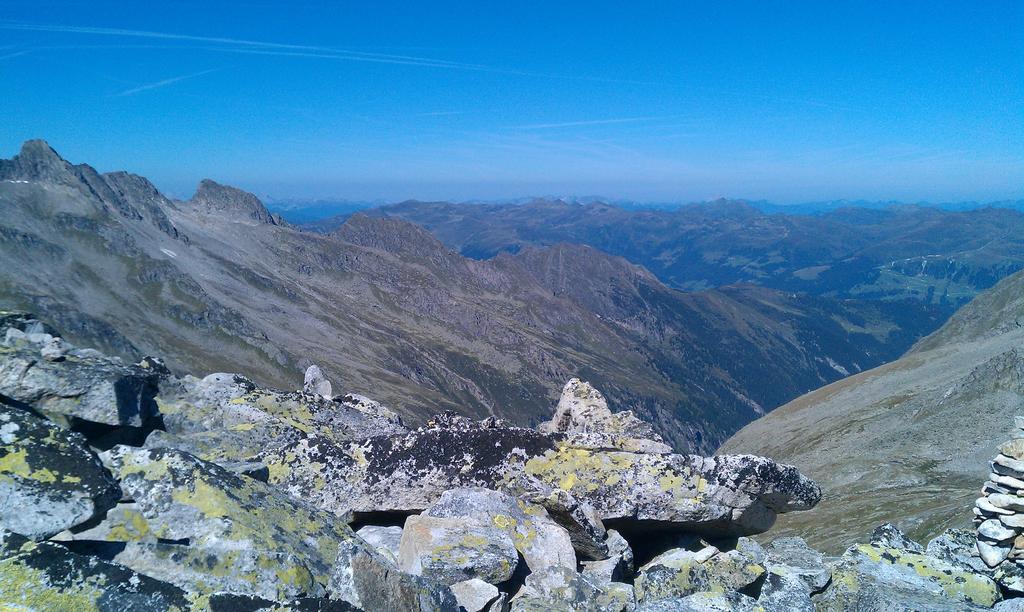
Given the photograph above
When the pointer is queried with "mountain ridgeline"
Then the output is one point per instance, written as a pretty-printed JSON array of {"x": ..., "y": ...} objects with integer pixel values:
[
  {"x": 217, "y": 283},
  {"x": 906, "y": 252}
]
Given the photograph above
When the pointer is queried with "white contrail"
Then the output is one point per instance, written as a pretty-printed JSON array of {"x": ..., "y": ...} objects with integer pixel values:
[
  {"x": 545, "y": 126},
  {"x": 340, "y": 53},
  {"x": 163, "y": 83}
]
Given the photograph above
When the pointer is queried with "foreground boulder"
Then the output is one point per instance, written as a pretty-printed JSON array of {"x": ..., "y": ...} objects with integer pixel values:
[
  {"x": 68, "y": 384},
  {"x": 541, "y": 541},
  {"x": 227, "y": 419},
  {"x": 723, "y": 495},
  {"x": 682, "y": 572},
  {"x": 237, "y": 535},
  {"x": 49, "y": 478},
  {"x": 46, "y": 576},
  {"x": 869, "y": 577}
]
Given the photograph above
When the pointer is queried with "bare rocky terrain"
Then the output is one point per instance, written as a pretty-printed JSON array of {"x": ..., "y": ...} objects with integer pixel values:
[
  {"x": 127, "y": 487},
  {"x": 908, "y": 442},
  {"x": 217, "y": 283}
]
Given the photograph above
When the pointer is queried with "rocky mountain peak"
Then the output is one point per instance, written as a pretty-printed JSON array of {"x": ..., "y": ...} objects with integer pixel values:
[
  {"x": 36, "y": 161},
  {"x": 214, "y": 197},
  {"x": 391, "y": 234}
]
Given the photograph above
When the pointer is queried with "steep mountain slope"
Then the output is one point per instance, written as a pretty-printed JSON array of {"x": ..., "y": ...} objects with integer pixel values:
[
  {"x": 906, "y": 442},
  {"x": 218, "y": 283},
  {"x": 900, "y": 253}
]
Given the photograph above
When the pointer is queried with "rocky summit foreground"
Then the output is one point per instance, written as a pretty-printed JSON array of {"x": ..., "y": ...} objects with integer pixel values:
[{"x": 124, "y": 487}]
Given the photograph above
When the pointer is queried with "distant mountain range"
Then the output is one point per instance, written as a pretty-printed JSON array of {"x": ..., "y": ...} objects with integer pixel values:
[
  {"x": 220, "y": 283},
  {"x": 895, "y": 254},
  {"x": 324, "y": 214},
  {"x": 908, "y": 442}
]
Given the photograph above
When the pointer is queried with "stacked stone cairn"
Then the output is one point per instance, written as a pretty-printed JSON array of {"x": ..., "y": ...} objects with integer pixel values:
[{"x": 999, "y": 513}]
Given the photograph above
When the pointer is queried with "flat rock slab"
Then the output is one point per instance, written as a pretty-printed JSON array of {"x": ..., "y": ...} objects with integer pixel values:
[
  {"x": 722, "y": 495},
  {"x": 49, "y": 478},
  {"x": 869, "y": 577},
  {"x": 83, "y": 385}
]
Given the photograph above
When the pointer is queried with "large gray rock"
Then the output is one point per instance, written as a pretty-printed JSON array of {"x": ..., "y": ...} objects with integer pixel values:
[
  {"x": 793, "y": 557},
  {"x": 451, "y": 550},
  {"x": 81, "y": 384},
  {"x": 722, "y": 495},
  {"x": 385, "y": 540},
  {"x": 221, "y": 516},
  {"x": 475, "y": 595},
  {"x": 784, "y": 592},
  {"x": 227, "y": 419},
  {"x": 888, "y": 535},
  {"x": 580, "y": 519},
  {"x": 709, "y": 601},
  {"x": 363, "y": 577},
  {"x": 316, "y": 383},
  {"x": 541, "y": 541},
  {"x": 870, "y": 577},
  {"x": 49, "y": 478},
  {"x": 46, "y": 576},
  {"x": 680, "y": 572},
  {"x": 559, "y": 588},
  {"x": 583, "y": 416},
  {"x": 959, "y": 547}
]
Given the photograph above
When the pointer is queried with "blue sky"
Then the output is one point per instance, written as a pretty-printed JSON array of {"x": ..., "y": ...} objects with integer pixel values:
[{"x": 666, "y": 101}]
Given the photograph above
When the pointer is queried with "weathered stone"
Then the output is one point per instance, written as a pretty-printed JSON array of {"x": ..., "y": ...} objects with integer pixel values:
[
  {"x": 583, "y": 415},
  {"x": 724, "y": 495},
  {"x": 983, "y": 504},
  {"x": 618, "y": 546},
  {"x": 869, "y": 577},
  {"x": 89, "y": 387},
  {"x": 783, "y": 591},
  {"x": 1010, "y": 576},
  {"x": 475, "y": 595},
  {"x": 559, "y": 588},
  {"x": 225, "y": 418},
  {"x": 1010, "y": 605},
  {"x": 681, "y": 572},
  {"x": 1007, "y": 502},
  {"x": 1010, "y": 463},
  {"x": 993, "y": 553},
  {"x": 586, "y": 530},
  {"x": 366, "y": 579},
  {"x": 888, "y": 535},
  {"x": 792, "y": 556},
  {"x": 958, "y": 547},
  {"x": 703, "y": 602},
  {"x": 384, "y": 540},
  {"x": 49, "y": 478},
  {"x": 46, "y": 576},
  {"x": 316, "y": 383},
  {"x": 540, "y": 540},
  {"x": 1006, "y": 481},
  {"x": 451, "y": 550},
  {"x": 275, "y": 576},
  {"x": 122, "y": 523},
  {"x": 991, "y": 487},
  {"x": 1013, "y": 449},
  {"x": 180, "y": 497},
  {"x": 995, "y": 530}
]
